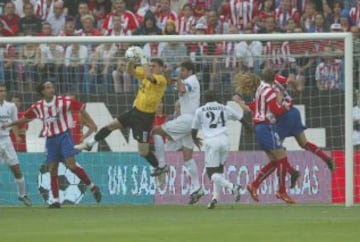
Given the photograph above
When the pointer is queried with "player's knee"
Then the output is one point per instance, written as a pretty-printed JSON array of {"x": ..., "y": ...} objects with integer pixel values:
[{"x": 210, "y": 171}]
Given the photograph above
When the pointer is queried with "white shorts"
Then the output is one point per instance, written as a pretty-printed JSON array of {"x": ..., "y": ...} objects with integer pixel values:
[
  {"x": 216, "y": 150},
  {"x": 179, "y": 130},
  {"x": 8, "y": 154}
]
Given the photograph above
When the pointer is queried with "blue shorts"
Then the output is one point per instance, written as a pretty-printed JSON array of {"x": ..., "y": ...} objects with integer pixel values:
[
  {"x": 267, "y": 137},
  {"x": 289, "y": 124},
  {"x": 60, "y": 147}
]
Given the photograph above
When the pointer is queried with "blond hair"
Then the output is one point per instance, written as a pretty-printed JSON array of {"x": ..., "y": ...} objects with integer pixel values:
[{"x": 247, "y": 83}]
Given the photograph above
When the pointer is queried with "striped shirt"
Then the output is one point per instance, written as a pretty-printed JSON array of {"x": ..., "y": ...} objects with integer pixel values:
[
  {"x": 264, "y": 95},
  {"x": 56, "y": 115}
]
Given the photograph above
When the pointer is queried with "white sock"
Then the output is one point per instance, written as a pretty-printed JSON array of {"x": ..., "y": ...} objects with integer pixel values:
[
  {"x": 219, "y": 179},
  {"x": 21, "y": 186},
  {"x": 159, "y": 149},
  {"x": 216, "y": 191},
  {"x": 194, "y": 175}
]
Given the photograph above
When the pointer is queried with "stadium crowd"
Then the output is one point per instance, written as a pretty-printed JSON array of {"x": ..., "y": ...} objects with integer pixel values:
[{"x": 89, "y": 68}]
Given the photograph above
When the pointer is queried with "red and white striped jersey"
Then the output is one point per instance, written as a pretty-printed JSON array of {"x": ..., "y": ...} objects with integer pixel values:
[
  {"x": 280, "y": 86},
  {"x": 184, "y": 25},
  {"x": 128, "y": 20},
  {"x": 162, "y": 18},
  {"x": 328, "y": 75},
  {"x": 44, "y": 8},
  {"x": 264, "y": 95},
  {"x": 56, "y": 115},
  {"x": 355, "y": 15},
  {"x": 282, "y": 16},
  {"x": 273, "y": 53},
  {"x": 241, "y": 12}
]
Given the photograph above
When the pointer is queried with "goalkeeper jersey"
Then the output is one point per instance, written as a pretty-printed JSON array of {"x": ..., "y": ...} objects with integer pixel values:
[{"x": 149, "y": 94}]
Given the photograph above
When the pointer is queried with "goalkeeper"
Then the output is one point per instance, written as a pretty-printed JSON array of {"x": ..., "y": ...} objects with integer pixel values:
[{"x": 140, "y": 117}]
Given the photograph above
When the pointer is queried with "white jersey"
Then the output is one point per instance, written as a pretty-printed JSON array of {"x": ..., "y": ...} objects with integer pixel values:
[
  {"x": 190, "y": 100},
  {"x": 212, "y": 118},
  {"x": 8, "y": 114}
]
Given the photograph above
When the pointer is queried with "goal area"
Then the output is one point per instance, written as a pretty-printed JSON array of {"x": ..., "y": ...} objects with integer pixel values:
[{"x": 93, "y": 70}]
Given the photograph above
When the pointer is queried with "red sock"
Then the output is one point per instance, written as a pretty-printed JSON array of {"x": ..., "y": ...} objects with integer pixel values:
[
  {"x": 316, "y": 150},
  {"x": 289, "y": 168},
  {"x": 54, "y": 183},
  {"x": 265, "y": 171},
  {"x": 80, "y": 172},
  {"x": 281, "y": 172}
]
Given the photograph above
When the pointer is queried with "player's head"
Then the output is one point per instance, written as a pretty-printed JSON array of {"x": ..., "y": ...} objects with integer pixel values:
[
  {"x": 17, "y": 100},
  {"x": 210, "y": 96},
  {"x": 156, "y": 65},
  {"x": 246, "y": 84},
  {"x": 3, "y": 92},
  {"x": 268, "y": 75},
  {"x": 187, "y": 68},
  {"x": 46, "y": 89}
]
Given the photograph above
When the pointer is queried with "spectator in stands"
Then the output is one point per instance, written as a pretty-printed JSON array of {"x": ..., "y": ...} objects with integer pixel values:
[
  {"x": 30, "y": 24},
  {"x": 71, "y": 7},
  {"x": 45, "y": 29},
  {"x": 57, "y": 18},
  {"x": 99, "y": 9},
  {"x": 28, "y": 61},
  {"x": 345, "y": 20},
  {"x": 165, "y": 13},
  {"x": 19, "y": 6},
  {"x": 122, "y": 81},
  {"x": 214, "y": 25},
  {"x": 128, "y": 18},
  {"x": 173, "y": 53},
  {"x": 7, "y": 62},
  {"x": 102, "y": 66},
  {"x": 88, "y": 26},
  {"x": 335, "y": 15},
  {"x": 320, "y": 25},
  {"x": 83, "y": 9},
  {"x": 149, "y": 27},
  {"x": 329, "y": 72},
  {"x": 117, "y": 28},
  {"x": 186, "y": 19},
  {"x": 19, "y": 138},
  {"x": 284, "y": 12},
  {"x": 269, "y": 26},
  {"x": 44, "y": 8},
  {"x": 76, "y": 56},
  {"x": 248, "y": 54},
  {"x": 355, "y": 13},
  {"x": 307, "y": 20},
  {"x": 200, "y": 7},
  {"x": 69, "y": 27},
  {"x": 10, "y": 18},
  {"x": 51, "y": 63}
]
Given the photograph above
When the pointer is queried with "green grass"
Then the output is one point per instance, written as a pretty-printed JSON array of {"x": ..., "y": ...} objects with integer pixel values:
[{"x": 270, "y": 223}]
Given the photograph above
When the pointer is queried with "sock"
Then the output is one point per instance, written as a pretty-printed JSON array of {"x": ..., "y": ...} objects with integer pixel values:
[
  {"x": 281, "y": 172},
  {"x": 80, "y": 172},
  {"x": 102, "y": 134},
  {"x": 316, "y": 150},
  {"x": 151, "y": 158},
  {"x": 216, "y": 191},
  {"x": 265, "y": 171},
  {"x": 55, "y": 187},
  {"x": 194, "y": 174},
  {"x": 218, "y": 178},
  {"x": 21, "y": 186},
  {"x": 159, "y": 149}
]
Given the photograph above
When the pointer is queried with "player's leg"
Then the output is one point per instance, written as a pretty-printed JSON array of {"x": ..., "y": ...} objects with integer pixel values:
[
  {"x": 11, "y": 159},
  {"x": 100, "y": 135},
  {"x": 305, "y": 144},
  {"x": 66, "y": 145},
  {"x": 54, "y": 183},
  {"x": 159, "y": 145}
]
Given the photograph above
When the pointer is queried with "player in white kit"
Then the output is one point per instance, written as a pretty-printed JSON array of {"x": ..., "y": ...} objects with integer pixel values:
[
  {"x": 212, "y": 118},
  {"x": 179, "y": 129},
  {"x": 9, "y": 113}
]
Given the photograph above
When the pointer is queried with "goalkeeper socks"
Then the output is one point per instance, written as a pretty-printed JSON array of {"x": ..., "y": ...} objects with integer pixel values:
[
  {"x": 55, "y": 187},
  {"x": 159, "y": 149},
  {"x": 102, "y": 134},
  {"x": 21, "y": 186},
  {"x": 264, "y": 173},
  {"x": 316, "y": 150},
  {"x": 80, "y": 172},
  {"x": 151, "y": 158},
  {"x": 281, "y": 173}
]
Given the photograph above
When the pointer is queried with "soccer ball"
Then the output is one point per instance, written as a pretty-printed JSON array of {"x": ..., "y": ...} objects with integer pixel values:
[
  {"x": 71, "y": 188},
  {"x": 133, "y": 53}
]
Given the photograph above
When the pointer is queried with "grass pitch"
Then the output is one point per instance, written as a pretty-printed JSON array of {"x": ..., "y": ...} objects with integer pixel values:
[{"x": 268, "y": 223}]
